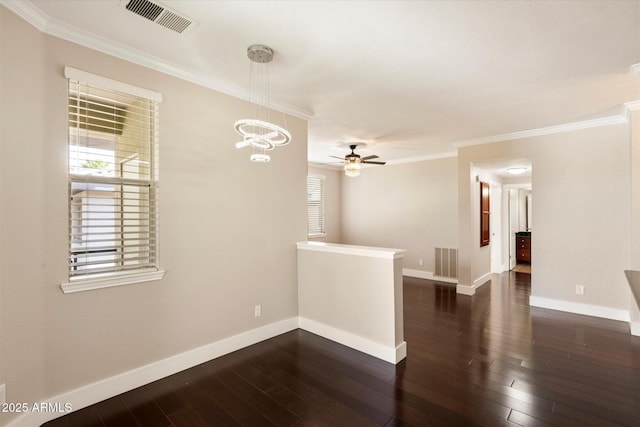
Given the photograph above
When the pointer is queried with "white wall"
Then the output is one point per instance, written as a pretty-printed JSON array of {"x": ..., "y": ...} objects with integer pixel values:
[
  {"x": 228, "y": 227},
  {"x": 581, "y": 186},
  {"x": 635, "y": 213},
  {"x": 353, "y": 295},
  {"x": 482, "y": 259},
  {"x": 409, "y": 205}
]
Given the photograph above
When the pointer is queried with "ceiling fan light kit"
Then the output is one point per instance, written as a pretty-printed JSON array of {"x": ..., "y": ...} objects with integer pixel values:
[
  {"x": 352, "y": 169},
  {"x": 258, "y": 133}
]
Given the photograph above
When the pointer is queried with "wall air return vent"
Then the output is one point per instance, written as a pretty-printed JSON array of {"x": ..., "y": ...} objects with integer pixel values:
[
  {"x": 161, "y": 15},
  {"x": 446, "y": 263}
]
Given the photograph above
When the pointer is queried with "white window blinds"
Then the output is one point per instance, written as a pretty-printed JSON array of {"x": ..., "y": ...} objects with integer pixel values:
[
  {"x": 315, "y": 206},
  {"x": 112, "y": 181}
]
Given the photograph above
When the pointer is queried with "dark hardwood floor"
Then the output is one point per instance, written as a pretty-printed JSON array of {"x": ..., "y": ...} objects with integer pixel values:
[{"x": 486, "y": 360}]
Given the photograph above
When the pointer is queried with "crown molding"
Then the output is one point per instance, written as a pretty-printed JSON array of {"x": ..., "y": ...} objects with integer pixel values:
[
  {"x": 568, "y": 127},
  {"x": 423, "y": 158},
  {"x": 336, "y": 168},
  {"x": 28, "y": 12},
  {"x": 53, "y": 27},
  {"x": 633, "y": 105},
  {"x": 635, "y": 69},
  {"x": 621, "y": 118}
]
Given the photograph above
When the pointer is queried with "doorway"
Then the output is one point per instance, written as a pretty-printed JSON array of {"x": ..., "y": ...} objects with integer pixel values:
[{"x": 519, "y": 201}]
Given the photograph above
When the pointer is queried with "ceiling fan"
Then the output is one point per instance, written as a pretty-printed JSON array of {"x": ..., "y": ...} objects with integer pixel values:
[{"x": 352, "y": 162}]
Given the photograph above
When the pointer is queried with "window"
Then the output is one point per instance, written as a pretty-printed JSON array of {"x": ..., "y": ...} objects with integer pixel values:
[
  {"x": 113, "y": 182},
  {"x": 315, "y": 206}
]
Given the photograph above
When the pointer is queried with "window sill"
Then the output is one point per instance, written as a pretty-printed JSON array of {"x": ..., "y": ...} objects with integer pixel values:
[{"x": 110, "y": 281}]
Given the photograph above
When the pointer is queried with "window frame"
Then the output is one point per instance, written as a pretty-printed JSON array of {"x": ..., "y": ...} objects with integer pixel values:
[
  {"x": 116, "y": 278},
  {"x": 322, "y": 202}
]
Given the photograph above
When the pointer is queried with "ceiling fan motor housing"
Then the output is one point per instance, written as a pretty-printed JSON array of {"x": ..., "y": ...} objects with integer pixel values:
[
  {"x": 355, "y": 159},
  {"x": 353, "y": 156}
]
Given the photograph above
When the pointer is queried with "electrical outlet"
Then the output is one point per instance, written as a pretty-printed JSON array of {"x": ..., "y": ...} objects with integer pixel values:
[
  {"x": 421, "y": 262},
  {"x": 580, "y": 290},
  {"x": 257, "y": 311},
  {"x": 3, "y": 396}
]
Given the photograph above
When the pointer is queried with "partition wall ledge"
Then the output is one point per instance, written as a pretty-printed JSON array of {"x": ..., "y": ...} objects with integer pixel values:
[{"x": 370, "y": 251}]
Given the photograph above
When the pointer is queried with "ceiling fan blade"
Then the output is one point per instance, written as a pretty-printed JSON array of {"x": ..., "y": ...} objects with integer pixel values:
[
  {"x": 370, "y": 157},
  {"x": 374, "y": 163},
  {"x": 336, "y": 157}
]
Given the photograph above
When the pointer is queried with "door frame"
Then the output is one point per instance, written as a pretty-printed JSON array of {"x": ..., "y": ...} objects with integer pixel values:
[{"x": 511, "y": 225}]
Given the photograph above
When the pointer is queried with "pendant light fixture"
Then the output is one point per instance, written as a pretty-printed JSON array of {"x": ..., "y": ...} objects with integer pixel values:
[{"x": 259, "y": 132}]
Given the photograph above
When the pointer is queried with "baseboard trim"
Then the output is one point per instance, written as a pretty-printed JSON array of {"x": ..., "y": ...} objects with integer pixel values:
[
  {"x": 388, "y": 354},
  {"x": 482, "y": 280},
  {"x": 418, "y": 274},
  {"x": 634, "y": 328},
  {"x": 421, "y": 274},
  {"x": 470, "y": 290},
  {"x": 109, "y": 387},
  {"x": 401, "y": 352},
  {"x": 579, "y": 308}
]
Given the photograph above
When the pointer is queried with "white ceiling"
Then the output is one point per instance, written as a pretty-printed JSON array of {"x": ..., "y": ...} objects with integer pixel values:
[{"x": 411, "y": 79}]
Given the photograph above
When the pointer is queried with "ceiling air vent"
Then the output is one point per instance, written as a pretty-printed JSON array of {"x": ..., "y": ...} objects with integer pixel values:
[{"x": 160, "y": 15}]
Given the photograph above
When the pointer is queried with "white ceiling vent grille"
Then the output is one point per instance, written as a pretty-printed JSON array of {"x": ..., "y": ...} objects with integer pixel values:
[{"x": 160, "y": 15}]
